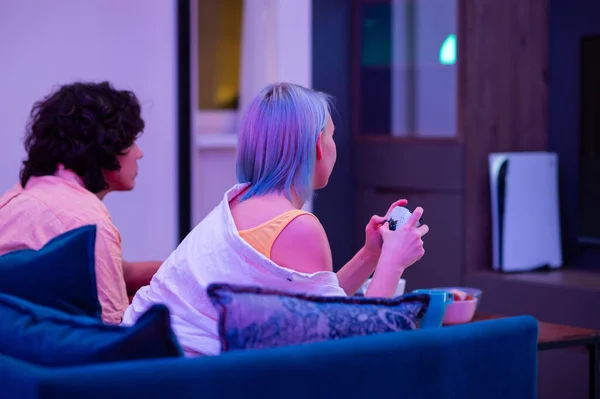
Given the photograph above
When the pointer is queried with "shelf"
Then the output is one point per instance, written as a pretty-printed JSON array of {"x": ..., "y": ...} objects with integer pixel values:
[
  {"x": 565, "y": 278},
  {"x": 564, "y": 296},
  {"x": 215, "y": 141}
]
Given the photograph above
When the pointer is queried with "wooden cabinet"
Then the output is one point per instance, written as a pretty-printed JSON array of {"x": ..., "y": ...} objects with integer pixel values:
[{"x": 425, "y": 115}]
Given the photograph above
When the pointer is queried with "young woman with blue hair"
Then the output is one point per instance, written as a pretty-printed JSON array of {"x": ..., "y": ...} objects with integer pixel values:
[{"x": 259, "y": 235}]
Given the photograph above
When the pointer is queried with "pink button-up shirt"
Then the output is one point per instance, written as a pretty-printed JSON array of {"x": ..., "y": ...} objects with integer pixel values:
[{"x": 51, "y": 205}]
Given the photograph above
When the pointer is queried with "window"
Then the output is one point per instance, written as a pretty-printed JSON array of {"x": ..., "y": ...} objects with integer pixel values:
[
  {"x": 236, "y": 48},
  {"x": 219, "y": 46},
  {"x": 216, "y": 45},
  {"x": 407, "y": 68}
]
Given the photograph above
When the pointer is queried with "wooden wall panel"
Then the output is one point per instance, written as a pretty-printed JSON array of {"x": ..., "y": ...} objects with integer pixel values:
[
  {"x": 425, "y": 165},
  {"x": 503, "y": 99}
]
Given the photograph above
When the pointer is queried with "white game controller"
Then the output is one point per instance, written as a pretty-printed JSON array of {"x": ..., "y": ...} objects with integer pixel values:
[{"x": 399, "y": 216}]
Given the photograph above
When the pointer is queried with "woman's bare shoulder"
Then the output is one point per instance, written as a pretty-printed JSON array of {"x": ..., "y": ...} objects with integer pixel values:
[{"x": 303, "y": 246}]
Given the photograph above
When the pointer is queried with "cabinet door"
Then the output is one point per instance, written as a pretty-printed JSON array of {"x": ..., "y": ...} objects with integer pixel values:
[{"x": 404, "y": 111}]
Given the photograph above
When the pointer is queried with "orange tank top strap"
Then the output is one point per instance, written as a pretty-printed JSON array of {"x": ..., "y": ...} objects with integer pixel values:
[{"x": 263, "y": 236}]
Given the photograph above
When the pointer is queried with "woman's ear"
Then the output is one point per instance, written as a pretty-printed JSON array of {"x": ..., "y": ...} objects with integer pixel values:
[{"x": 319, "y": 147}]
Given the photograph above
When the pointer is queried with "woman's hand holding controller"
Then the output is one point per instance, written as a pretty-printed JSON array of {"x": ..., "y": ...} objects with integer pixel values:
[
  {"x": 404, "y": 245},
  {"x": 401, "y": 249}
]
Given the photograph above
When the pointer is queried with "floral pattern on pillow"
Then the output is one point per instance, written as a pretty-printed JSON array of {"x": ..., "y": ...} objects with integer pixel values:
[{"x": 255, "y": 318}]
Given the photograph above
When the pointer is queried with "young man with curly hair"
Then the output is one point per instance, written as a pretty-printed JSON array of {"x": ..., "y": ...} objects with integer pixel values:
[{"x": 81, "y": 145}]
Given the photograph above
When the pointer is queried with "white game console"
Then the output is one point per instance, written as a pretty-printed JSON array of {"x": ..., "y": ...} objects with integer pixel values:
[{"x": 525, "y": 211}]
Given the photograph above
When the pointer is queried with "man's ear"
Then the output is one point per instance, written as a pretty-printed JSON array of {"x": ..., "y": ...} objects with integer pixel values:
[{"x": 319, "y": 147}]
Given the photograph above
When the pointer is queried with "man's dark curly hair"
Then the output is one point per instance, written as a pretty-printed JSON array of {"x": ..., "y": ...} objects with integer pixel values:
[{"x": 83, "y": 126}]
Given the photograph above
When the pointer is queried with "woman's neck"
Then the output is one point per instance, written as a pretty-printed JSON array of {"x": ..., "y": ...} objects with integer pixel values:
[
  {"x": 296, "y": 202},
  {"x": 279, "y": 197}
]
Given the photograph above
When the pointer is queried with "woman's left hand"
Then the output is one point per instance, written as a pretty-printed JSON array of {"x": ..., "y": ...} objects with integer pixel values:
[{"x": 373, "y": 240}]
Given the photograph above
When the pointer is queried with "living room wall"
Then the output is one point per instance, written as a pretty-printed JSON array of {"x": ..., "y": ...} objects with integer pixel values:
[{"x": 137, "y": 52}]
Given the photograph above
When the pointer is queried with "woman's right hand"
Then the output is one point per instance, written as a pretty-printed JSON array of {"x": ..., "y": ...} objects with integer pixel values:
[
  {"x": 401, "y": 248},
  {"x": 404, "y": 246}
]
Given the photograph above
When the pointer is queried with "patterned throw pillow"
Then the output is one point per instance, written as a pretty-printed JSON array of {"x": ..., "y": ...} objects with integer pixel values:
[{"x": 254, "y": 318}]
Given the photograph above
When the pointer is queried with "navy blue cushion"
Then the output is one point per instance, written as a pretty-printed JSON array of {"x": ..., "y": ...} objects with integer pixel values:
[
  {"x": 51, "y": 338},
  {"x": 253, "y": 318},
  {"x": 61, "y": 275}
]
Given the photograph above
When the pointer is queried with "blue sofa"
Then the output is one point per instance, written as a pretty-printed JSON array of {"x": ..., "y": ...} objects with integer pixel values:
[
  {"x": 53, "y": 345},
  {"x": 489, "y": 359}
]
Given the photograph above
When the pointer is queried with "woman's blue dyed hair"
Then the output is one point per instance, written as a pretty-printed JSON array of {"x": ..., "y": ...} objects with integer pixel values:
[{"x": 278, "y": 139}]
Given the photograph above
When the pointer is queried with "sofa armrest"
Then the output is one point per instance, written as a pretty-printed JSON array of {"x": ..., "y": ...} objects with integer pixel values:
[{"x": 489, "y": 359}]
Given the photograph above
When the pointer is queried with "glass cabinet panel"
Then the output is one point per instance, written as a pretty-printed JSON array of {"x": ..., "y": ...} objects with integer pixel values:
[{"x": 407, "y": 68}]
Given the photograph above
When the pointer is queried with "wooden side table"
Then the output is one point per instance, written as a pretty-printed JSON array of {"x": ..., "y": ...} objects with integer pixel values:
[{"x": 557, "y": 336}]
